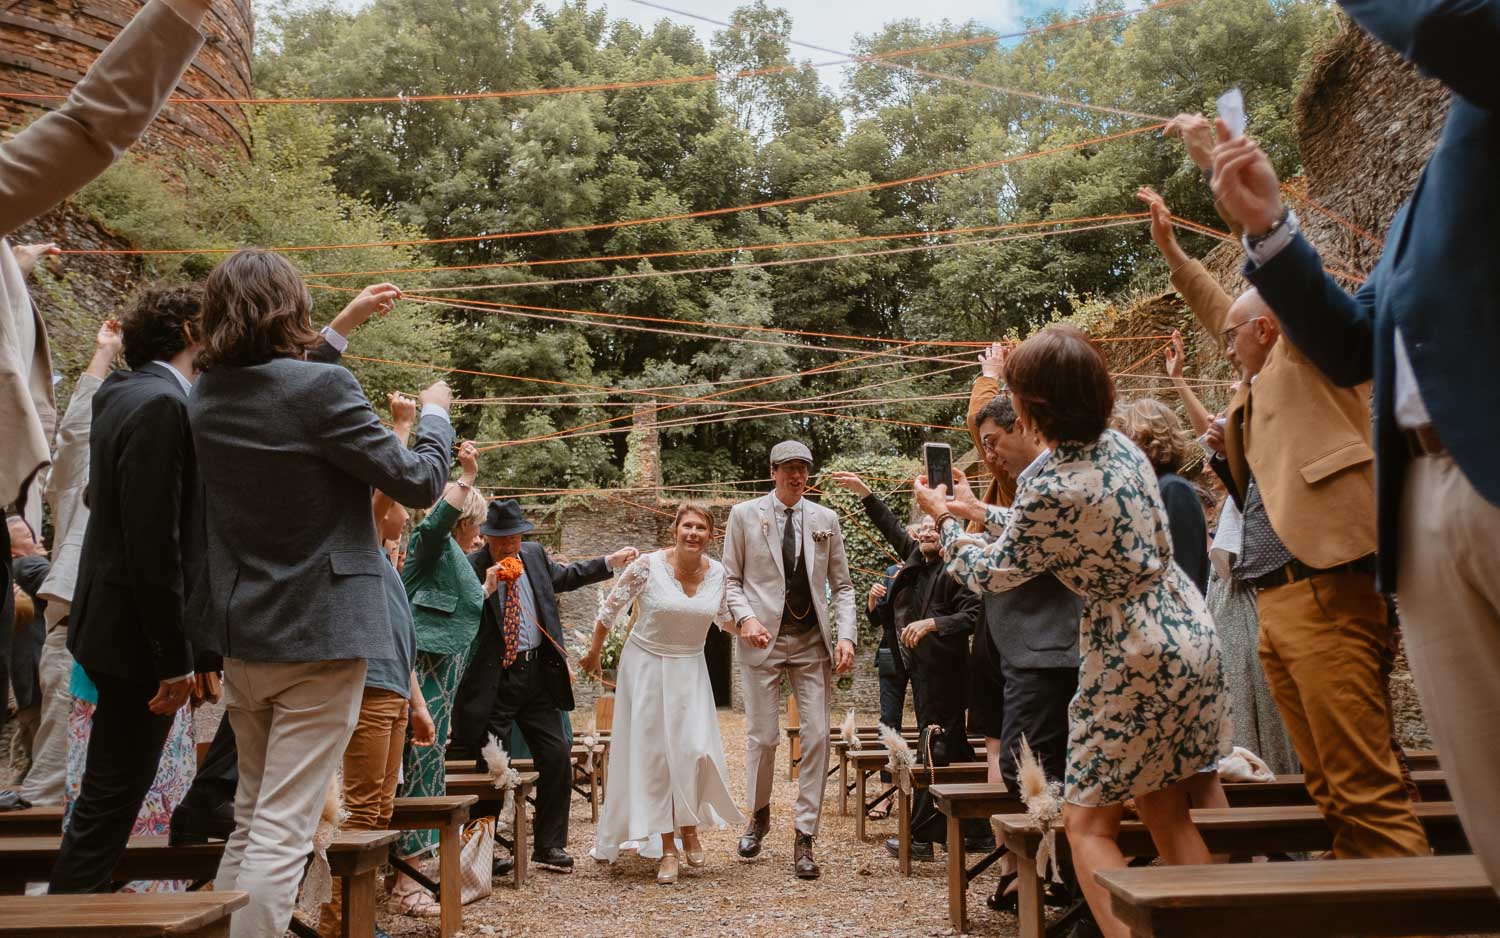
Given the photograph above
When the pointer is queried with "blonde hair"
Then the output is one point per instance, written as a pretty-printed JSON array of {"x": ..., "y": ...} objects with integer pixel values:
[
  {"x": 1157, "y": 430},
  {"x": 692, "y": 508},
  {"x": 475, "y": 509}
]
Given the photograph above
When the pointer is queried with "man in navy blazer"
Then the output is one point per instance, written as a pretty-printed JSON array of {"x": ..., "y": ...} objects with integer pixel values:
[{"x": 1424, "y": 326}]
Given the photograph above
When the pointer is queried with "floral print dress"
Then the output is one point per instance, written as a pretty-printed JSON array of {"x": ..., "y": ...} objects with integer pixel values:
[{"x": 1151, "y": 707}]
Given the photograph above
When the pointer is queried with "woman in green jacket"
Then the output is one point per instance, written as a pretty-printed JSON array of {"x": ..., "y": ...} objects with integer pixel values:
[{"x": 446, "y": 602}]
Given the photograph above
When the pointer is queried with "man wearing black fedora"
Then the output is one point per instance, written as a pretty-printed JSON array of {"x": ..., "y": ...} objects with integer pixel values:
[{"x": 517, "y": 672}]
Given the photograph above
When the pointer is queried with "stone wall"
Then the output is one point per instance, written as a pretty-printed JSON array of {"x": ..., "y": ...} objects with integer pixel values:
[{"x": 47, "y": 46}]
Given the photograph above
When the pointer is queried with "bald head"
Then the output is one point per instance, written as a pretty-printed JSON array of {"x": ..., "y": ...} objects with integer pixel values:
[{"x": 1250, "y": 332}]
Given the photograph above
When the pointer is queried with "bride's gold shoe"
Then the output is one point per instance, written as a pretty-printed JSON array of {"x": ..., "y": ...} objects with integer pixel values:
[
  {"x": 695, "y": 858},
  {"x": 666, "y": 874}
]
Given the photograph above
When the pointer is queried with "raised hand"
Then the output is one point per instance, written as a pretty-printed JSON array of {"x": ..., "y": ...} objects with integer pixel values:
[
  {"x": 877, "y": 593},
  {"x": 1174, "y": 356},
  {"x": 468, "y": 462},
  {"x": 992, "y": 361},
  {"x": 376, "y": 299},
  {"x": 403, "y": 409},
  {"x": 437, "y": 393},
  {"x": 964, "y": 503},
  {"x": 27, "y": 255},
  {"x": 1245, "y": 184},
  {"x": 852, "y": 482},
  {"x": 1197, "y": 137},
  {"x": 1163, "y": 232}
]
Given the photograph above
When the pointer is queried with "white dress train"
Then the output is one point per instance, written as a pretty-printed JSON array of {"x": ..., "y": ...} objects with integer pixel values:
[{"x": 666, "y": 758}]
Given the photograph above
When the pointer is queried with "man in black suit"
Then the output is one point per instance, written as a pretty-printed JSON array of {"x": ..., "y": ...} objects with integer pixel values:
[
  {"x": 126, "y": 626},
  {"x": 518, "y": 673},
  {"x": 933, "y": 617}
]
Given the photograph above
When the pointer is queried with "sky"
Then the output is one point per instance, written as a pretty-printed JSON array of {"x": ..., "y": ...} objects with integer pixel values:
[{"x": 834, "y": 23}]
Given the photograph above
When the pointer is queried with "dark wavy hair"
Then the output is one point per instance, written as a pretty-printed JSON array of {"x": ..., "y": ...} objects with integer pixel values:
[
  {"x": 152, "y": 328},
  {"x": 255, "y": 308},
  {"x": 1062, "y": 381},
  {"x": 999, "y": 409}
]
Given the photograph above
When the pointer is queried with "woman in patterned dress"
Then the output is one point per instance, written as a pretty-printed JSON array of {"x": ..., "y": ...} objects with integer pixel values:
[{"x": 1151, "y": 716}]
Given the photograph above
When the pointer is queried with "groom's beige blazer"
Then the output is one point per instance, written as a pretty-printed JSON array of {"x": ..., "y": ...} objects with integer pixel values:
[{"x": 756, "y": 582}]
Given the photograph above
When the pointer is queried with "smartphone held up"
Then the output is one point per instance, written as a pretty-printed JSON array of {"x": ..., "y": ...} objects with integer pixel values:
[{"x": 937, "y": 458}]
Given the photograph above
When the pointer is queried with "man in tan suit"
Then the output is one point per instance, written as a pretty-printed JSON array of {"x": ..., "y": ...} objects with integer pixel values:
[
  {"x": 783, "y": 563},
  {"x": 41, "y": 166},
  {"x": 1296, "y": 448}
]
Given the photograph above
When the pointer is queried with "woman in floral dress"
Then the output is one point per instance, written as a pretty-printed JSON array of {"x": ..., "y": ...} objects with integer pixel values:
[{"x": 1151, "y": 716}]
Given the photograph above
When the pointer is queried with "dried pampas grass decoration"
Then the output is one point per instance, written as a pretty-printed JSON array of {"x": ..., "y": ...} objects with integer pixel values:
[
  {"x": 1043, "y": 800},
  {"x": 902, "y": 758},
  {"x": 506, "y": 778},
  {"x": 850, "y": 731},
  {"x": 317, "y": 884},
  {"x": 589, "y": 742}
]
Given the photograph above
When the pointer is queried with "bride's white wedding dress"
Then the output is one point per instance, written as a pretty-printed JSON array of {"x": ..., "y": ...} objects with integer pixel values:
[{"x": 666, "y": 758}]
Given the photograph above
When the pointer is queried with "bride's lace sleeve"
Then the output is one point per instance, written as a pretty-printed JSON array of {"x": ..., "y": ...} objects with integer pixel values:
[
  {"x": 724, "y": 619},
  {"x": 630, "y": 585}
]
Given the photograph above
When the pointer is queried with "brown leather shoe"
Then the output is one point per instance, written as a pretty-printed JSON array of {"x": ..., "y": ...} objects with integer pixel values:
[
  {"x": 803, "y": 862},
  {"x": 760, "y": 825}
]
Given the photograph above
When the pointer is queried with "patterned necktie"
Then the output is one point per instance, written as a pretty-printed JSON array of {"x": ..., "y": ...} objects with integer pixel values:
[
  {"x": 510, "y": 628},
  {"x": 789, "y": 544}
]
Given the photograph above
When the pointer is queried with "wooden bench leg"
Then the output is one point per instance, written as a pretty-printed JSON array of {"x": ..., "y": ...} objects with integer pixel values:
[
  {"x": 903, "y": 804},
  {"x": 859, "y": 805},
  {"x": 450, "y": 881},
  {"x": 520, "y": 830},
  {"x": 958, "y": 881},
  {"x": 594, "y": 785},
  {"x": 844, "y": 783},
  {"x": 1030, "y": 909},
  {"x": 358, "y": 920}
]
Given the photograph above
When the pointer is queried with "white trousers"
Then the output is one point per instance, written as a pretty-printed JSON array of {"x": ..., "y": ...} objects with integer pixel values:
[
  {"x": 1448, "y": 593},
  {"x": 292, "y": 722},
  {"x": 804, "y": 660},
  {"x": 49, "y": 751}
]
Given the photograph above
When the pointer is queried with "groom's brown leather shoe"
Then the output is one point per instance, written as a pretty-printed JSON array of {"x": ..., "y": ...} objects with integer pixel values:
[
  {"x": 760, "y": 825},
  {"x": 803, "y": 862}
]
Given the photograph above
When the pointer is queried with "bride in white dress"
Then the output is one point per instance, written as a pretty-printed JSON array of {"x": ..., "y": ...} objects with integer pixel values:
[{"x": 666, "y": 760}]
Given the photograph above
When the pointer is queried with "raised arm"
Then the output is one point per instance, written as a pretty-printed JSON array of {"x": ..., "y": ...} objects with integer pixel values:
[
  {"x": 1452, "y": 40},
  {"x": 353, "y": 439},
  {"x": 879, "y": 513},
  {"x": 1198, "y": 415},
  {"x": 105, "y": 113}
]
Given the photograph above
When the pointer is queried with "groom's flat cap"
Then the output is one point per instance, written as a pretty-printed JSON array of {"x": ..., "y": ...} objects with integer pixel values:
[{"x": 788, "y": 450}]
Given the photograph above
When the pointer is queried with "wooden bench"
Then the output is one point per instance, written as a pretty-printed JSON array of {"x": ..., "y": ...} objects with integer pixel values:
[
  {"x": 40, "y": 821},
  {"x": 1352, "y": 898},
  {"x": 120, "y": 915},
  {"x": 1225, "y": 830},
  {"x": 842, "y": 750},
  {"x": 446, "y": 815},
  {"x": 354, "y": 855},
  {"x": 588, "y": 774},
  {"x": 490, "y": 801},
  {"x": 961, "y": 802}
]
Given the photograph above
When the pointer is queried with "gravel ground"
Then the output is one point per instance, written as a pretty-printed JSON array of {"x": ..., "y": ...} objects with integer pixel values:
[{"x": 860, "y": 892}]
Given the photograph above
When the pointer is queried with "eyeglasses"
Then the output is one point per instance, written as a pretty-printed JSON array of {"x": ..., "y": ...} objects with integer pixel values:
[
  {"x": 1227, "y": 336},
  {"x": 990, "y": 442}
]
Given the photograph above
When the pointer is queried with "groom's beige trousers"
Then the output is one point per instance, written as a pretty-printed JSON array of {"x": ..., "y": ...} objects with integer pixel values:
[{"x": 804, "y": 659}]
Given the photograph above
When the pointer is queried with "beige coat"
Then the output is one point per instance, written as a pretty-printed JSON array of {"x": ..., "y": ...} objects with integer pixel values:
[
  {"x": 46, "y": 163},
  {"x": 1305, "y": 439},
  {"x": 756, "y": 584}
]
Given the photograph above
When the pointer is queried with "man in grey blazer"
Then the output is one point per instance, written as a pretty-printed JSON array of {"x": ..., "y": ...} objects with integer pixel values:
[
  {"x": 1032, "y": 636},
  {"x": 290, "y": 451},
  {"x": 783, "y": 562}
]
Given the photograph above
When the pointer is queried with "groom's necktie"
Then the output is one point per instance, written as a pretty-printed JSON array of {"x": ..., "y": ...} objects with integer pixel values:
[{"x": 789, "y": 544}]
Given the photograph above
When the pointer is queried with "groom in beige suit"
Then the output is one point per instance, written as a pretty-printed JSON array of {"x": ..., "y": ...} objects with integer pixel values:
[{"x": 784, "y": 565}]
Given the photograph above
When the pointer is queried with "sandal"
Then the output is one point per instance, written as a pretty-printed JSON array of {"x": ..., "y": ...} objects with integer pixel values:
[
  {"x": 415, "y": 902},
  {"x": 1001, "y": 900}
]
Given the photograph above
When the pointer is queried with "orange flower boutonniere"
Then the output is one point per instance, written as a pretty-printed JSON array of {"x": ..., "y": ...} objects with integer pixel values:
[{"x": 510, "y": 570}]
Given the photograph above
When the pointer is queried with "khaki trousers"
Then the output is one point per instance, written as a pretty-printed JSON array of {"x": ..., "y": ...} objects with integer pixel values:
[
  {"x": 372, "y": 766},
  {"x": 804, "y": 659},
  {"x": 291, "y": 723},
  {"x": 1448, "y": 587},
  {"x": 1323, "y": 643},
  {"x": 49, "y": 750}
]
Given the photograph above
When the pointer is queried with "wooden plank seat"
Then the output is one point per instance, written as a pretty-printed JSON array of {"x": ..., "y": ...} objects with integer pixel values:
[
  {"x": 1338, "y": 899},
  {"x": 120, "y": 915},
  {"x": 38, "y": 821},
  {"x": 354, "y": 855},
  {"x": 1236, "y": 831},
  {"x": 445, "y": 814},
  {"x": 866, "y": 762},
  {"x": 842, "y": 751},
  {"x": 490, "y": 801}
]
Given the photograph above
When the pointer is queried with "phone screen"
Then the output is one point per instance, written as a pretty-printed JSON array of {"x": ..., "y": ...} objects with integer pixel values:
[{"x": 939, "y": 460}]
